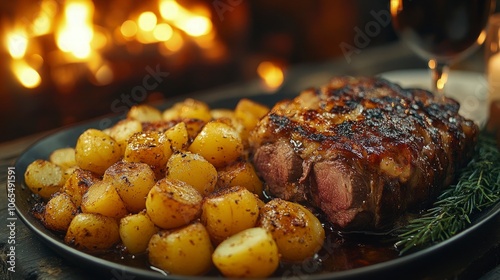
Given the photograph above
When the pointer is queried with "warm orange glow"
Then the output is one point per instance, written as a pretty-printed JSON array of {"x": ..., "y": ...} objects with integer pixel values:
[
  {"x": 206, "y": 41},
  {"x": 146, "y": 37},
  {"x": 17, "y": 43},
  {"x": 147, "y": 21},
  {"x": 76, "y": 32},
  {"x": 128, "y": 28},
  {"x": 192, "y": 23},
  {"x": 396, "y": 7},
  {"x": 27, "y": 76},
  {"x": 171, "y": 10},
  {"x": 43, "y": 22},
  {"x": 175, "y": 42},
  {"x": 431, "y": 64},
  {"x": 271, "y": 74},
  {"x": 35, "y": 61},
  {"x": 481, "y": 38},
  {"x": 104, "y": 75},
  {"x": 99, "y": 40},
  {"x": 163, "y": 32},
  {"x": 196, "y": 26}
]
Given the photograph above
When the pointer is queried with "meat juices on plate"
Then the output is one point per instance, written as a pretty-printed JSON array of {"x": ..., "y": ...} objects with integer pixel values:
[{"x": 363, "y": 150}]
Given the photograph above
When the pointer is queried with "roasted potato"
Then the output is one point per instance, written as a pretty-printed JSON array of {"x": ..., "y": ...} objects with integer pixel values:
[
  {"x": 229, "y": 211},
  {"x": 240, "y": 173},
  {"x": 185, "y": 251},
  {"x": 78, "y": 183},
  {"x": 92, "y": 232},
  {"x": 194, "y": 170},
  {"x": 136, "y": 231},
  {"x": 59, "y": 211},
  {"x": 173, "y": 203},
  {"x": 297, "y": 232},
  {"x": 150, "y": 147},
  {"x": 219, "y": 143},
  {"x": 132, "y": 181},
  {"x": 178, "y": 136},
  {"x": 64, "y": 157},
  {"x": 144, "y": 113},
  {"x": 123, "y": 130},
  {"x": 251, "y": 253},
  {"x": 188, "y": 109},
  {"x": 250, "y": 112},
  {"x": 102, "y": 198},
  {"x": 96, "y": 151},
  {"x": 222, "y": 114},
  {"x": 44, "y": 178},
  {"x": 193, "y": 127}
]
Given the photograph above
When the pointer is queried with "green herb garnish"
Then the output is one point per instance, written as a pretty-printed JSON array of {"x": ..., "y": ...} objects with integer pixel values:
[{"x": 478, "y": 187}]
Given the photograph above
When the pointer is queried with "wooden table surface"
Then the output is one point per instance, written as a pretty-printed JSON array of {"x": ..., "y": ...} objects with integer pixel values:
[{"x": 35, "y": 260}]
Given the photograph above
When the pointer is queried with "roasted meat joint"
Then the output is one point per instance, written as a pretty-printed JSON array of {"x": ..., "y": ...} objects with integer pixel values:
[{"x": 362, "y": 150}]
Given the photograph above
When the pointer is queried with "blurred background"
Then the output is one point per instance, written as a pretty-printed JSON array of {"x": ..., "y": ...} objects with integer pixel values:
[{"x": 67, "y": 61}]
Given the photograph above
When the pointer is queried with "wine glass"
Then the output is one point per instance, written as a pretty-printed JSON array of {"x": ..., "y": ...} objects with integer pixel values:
[{"x": 441, "y": 31}]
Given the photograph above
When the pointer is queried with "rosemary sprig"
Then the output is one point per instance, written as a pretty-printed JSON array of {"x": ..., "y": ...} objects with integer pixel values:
[{"x": 478, "y": 187}]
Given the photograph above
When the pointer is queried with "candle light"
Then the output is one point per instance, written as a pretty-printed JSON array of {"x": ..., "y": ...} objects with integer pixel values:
[
  {"x": 494, "y": 77},
  {"x": 492, "y": 55}
]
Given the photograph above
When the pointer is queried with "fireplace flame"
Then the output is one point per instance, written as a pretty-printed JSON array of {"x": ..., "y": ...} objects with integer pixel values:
[{"x": 76, "y": 31}]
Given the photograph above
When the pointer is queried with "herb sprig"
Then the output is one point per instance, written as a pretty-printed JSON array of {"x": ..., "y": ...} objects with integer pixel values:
[{"x": 478, "y": 187}]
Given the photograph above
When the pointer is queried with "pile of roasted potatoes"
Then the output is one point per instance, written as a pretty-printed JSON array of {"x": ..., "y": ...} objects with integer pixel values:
[{"x": 177, "y": 186}]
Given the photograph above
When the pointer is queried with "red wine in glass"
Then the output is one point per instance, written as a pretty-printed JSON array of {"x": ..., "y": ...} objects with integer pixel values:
[{"x": 441, "y": 31}]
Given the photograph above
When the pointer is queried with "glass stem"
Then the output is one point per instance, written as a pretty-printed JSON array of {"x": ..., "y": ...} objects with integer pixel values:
[{"x": 439, "y": 73}]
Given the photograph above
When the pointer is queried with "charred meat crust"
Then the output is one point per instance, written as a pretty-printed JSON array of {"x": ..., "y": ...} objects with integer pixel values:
[{"x": 363, "y": 150}]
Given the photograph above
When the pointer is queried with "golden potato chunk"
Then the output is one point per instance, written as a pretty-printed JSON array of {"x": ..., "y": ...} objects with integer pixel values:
[
  {"x": 173, "y": 203},
  {"x": 150, "y": 147},
  {"x": 64, "y": 157},
  {"x": 250, "y": 112},
  {"x": 123, "y": 130},
  {"x": 92, "y": 232},
  {"x": 59, "y": 211},
  {"x": 251, "y": 253},
  {"x": 96, "y": 151},
  {"x": 44, "y": 178},
  {"x": 144, "y": 113},
  {"x": 185, "y": 251},
  {"x": 298, "y": 233},
  {"x": 219, "y": 143},
  {"x": 132, "y": 181},
  {"x": 178, "y": 136},
  {"x": 78, "y": 183},
  {"x": 240, "y": 173},
  {"x": 194, "y": 170},
  {"x": 136, "y": 231},
  {"x": 193, "y": 127},
  {"x": 229, "y": 211},
  {"x": 188, "y": 109},
  {"x": 102, "y": 198}
]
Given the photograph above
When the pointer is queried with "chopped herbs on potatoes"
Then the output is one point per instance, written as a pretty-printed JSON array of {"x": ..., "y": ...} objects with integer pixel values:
[{"x": 177, "y": 186}]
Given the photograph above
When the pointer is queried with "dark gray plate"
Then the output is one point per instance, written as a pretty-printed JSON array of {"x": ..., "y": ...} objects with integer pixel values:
[{"x": 436, "y": 262}]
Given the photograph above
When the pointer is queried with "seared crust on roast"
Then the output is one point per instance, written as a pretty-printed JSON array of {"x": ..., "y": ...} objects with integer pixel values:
[{"x": 363, "y": 150}]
